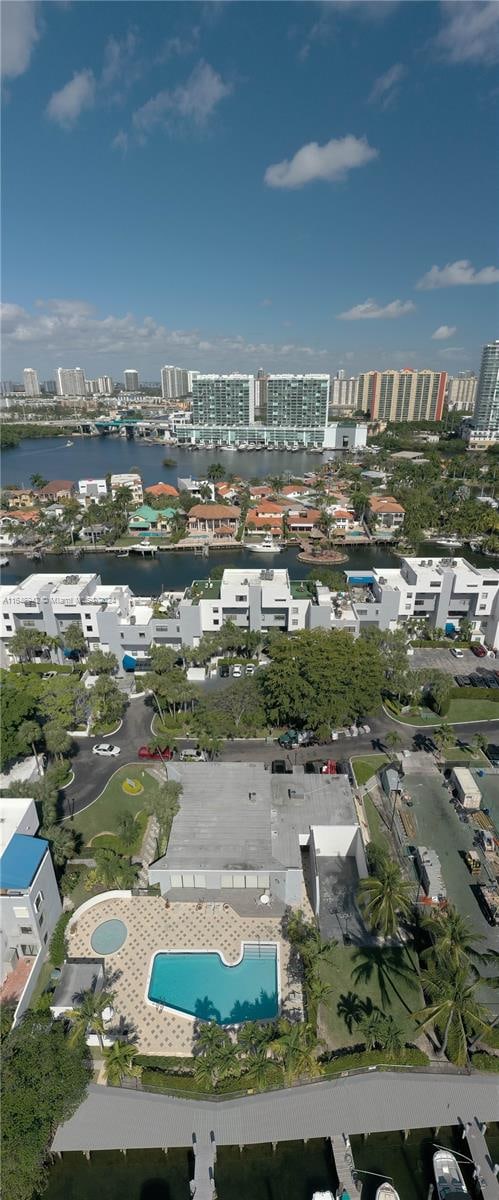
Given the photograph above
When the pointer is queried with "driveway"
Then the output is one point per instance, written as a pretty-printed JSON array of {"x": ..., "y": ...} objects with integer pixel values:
[
  {"x": 444, "y": 660},
  {"x": 92, "y": 772}
]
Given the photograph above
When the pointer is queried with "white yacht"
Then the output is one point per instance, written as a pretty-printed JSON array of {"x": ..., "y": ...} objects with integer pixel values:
[
  {"x": 266, "y": 546},
  {"x": 386, "y": 1191},
  {"x": 448, "y": 1176}
]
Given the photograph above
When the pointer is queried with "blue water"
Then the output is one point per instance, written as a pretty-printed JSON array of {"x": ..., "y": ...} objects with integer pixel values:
[
  {"x": 201, "y": 984},
  {"x": 108, "y": 937}
]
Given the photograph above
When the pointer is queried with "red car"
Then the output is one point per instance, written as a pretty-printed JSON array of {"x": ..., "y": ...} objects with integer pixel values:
[
  {"x": 478, "y": 650},
  {"x": 147, "y": 752}
]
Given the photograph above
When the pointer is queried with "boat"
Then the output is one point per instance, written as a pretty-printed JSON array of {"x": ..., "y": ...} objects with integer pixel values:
[
  {"x": 448, "y": 1177},
  {"x": 267, "y": 546},
  {"x": 4, "y": 562},
  {"x": 448, "y": 541},
  {"x": 386, "y": 1191},
  {"x": 122, "y": 553}
]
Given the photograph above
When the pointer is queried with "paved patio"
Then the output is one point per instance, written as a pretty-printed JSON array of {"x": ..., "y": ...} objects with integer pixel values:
[
  {"x": 152, "y": 926},
  {"x": 15, "y": 982}
]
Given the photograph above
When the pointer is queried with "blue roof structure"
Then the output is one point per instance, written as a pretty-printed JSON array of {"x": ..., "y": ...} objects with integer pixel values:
[
  {"x": 360, "y": 578},
  {"x": 20, "y": 861}
]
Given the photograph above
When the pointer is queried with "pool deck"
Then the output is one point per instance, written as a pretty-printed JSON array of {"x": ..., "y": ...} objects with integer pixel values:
[{"x": 152, "y": 927}]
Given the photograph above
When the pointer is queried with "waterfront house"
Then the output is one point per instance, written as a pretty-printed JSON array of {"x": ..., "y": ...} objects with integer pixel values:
[
  {"x": 302, "y": 520},
  {"x": 90, "y": 491},
  {"x": 386, "y": 512},
  {"x": 260, "y": 492},
  {"x": 218, "y": 520},
  {"x": 151, "y": 520},
  {"x": 20, "y": 497},
  {"x": 226, "y": 491},
  {"x": 158, "y": 490},
  {"x": 57, "y": 489},
  {"x": 342, "y": 518},
  {"x": 294, "y": 491},
  {"x": 130, "y": 480},
  {"x": 199, "y": 489},
  {"x": 266, "y": 516}
]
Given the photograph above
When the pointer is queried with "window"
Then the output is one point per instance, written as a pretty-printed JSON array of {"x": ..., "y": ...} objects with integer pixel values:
[
  {"x": 142, "y": 635},
  {"x": 21, "y": 913},
  {"x": 41, "y": 919},
  {"x": 434, "y": 585},
  {"x": 294, "y": 621},
  {"x": 216, "y": 620},
  {"x": 39, "y": 901},
  {"x": 45, "y": 936},
  {"x": 25, "y": 929},
  {"x": 240, "y": 599}
]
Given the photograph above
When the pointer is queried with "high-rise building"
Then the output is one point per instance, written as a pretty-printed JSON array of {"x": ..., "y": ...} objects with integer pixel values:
[
  {"x": 402, "y": 395},
  {"x": 485, "y": 424},
  {"x": 174, "y": 383},
  {"x": 105, "y": 385},
  {"x": 301, "y": 400},
  {"x": 131, "y": 380},
  {"x": 344, "y": 392},
  {"x": 70, "y": 381},
  {"x": 340, "y": 374},
  {"x": 31, "y": 385},
  {"x": 223, "y": 400},
  {"x": 461, "y": 392}
]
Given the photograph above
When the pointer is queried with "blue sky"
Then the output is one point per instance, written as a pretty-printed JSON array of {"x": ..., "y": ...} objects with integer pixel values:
[{"x": 234, "y": 185}]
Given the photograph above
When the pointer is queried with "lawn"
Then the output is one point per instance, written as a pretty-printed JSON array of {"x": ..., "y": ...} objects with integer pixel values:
[
  {"x": 465, "y": 754},
  {"x": 103, "y": 816},
  {"x": 376, "y": 826},
  {"x": 367, "y": 766},
  {"x": 459, "y": 711},
  {"x": 385, "y": 977}
]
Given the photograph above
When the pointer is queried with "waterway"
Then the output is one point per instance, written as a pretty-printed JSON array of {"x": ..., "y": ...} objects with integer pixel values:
[
  {"x": 293, "y": 1172},
  {"x": 170, "y": 570}
]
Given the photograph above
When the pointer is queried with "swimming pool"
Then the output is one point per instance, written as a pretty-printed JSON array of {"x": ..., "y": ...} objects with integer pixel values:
[
  {"x": 108, "y": 937},
  {"x": 200, "y": 984}
]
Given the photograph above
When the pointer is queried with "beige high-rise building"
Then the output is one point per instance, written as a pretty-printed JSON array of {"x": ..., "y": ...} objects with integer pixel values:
[
  {"x": 405, "y": 395},
  {"x": 31, "y": 384},
  {"x": 343, "y": 393},
  {"x": 461, "y": 392}
]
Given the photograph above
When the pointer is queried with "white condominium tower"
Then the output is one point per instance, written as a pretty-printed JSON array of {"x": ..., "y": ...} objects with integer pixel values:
[
  {"x": 297, "y": 400},
  {"x": 174, "y": 383},
  {"x": 31, "y": 385},
  {"x": 131, "y": 380},
  {"x": 223, "y": 399},
  {"x": 70, "y": 381},
  {"x": 461, "y": 392},
  {"x": 486, "y": 414}
]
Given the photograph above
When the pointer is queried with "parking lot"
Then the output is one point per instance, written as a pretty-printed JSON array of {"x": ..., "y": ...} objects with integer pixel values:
[{"x": 444, "y": 660}]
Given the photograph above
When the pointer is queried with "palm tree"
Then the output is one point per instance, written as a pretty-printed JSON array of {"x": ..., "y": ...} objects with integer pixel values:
[
  {"x": 371, "y": 1026},
  {"x": 119, "y": 1063},
  {"x": 127, "y": 830},
  {"x": 112, "y": 870},
  {"x": 260, "y": 1067},
  {"x": 27, "y": 735},
  {"x": 382, "y": 1031},
  {"x": 88, "y": 1016},
  {"x": 62, "y": 843},
  {"x": 393, "y": 740},
  {"x": 452, "y": 939},
  {"x": 443, "y": 736},
  {"x": 318, "y": 989},
  {"x": 296, "y": 1048},
  {"x": 454, "y": 1011},
  {"x": 384, "y": 898}
]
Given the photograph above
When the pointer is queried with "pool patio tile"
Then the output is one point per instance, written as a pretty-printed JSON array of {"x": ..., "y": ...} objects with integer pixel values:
[{"x": 153, "y": 926}]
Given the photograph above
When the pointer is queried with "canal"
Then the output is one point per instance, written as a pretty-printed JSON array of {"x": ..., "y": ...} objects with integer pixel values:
[{"x": 293, "y": 1172}]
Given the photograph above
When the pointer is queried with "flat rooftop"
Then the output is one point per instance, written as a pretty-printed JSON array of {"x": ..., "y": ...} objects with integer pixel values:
[
  {"x": 78, "y": 977},
  {"x": 12, "y": 812},
  {"x": 20, "y": 861},
  {"x": 301, "y": 801}
]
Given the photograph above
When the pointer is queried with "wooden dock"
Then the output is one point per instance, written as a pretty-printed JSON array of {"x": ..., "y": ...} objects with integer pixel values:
[
  {"x": 485, "y": 1168},
  {"x": 345, "y": 1166}
]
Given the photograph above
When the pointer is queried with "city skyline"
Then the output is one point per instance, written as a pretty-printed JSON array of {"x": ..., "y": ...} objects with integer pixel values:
[{"x": 270, "y": 165}]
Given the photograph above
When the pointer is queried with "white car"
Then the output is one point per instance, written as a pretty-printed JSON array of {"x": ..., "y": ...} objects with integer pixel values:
[
  {"x": 237, "y": 671},
  {"x": 334, "y": 735},
  {"x": 457, "y": 652},
  {"x": 354, "y": 731},
  {"x": 192, "y": 755},
  {"x": 106, "y": 750},
  {"x": 250, "y": 670},
  {"x": 365, "y": 728}
]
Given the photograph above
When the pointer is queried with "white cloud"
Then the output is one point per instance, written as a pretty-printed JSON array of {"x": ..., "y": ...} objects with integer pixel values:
[
  {"x": 329, "y": 162},
  {"x": 371, "y": 311},
  {"x": 385, "y": 88},
  {"x": 266, "y": 303},
  {"x": 195, "y": 100},
  {"x": 443, "y": 332},
  {"x": 20, "y": 32},
  {"x": 119, "y": 60},
  {"x": 175, "y": 47},
  {"x": 65, "y": 106},
  {"x": 470, "y": 31},
  {"x": 120, "y": 142},
  {"x": 454, "y": 352},
  {"x": 457, "y": 274}
]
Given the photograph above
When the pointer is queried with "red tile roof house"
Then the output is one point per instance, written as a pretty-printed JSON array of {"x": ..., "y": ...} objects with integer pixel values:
[
  {"x": 226, "y": 491},
  {"x": 218, "y": 520},
  {"x": 386, "y": 512},
  {"x": 260, "y": 492},
  {"x": 302, "y": 520},
  {"x": 57, "y": 489},
  {"x": 161, "y": 489},
  {"x": 294, "y": 491},
  {"x": 22, "y": 515},
  {"x": 266, "y": 515},
  {"x": 343, "y": 518}
]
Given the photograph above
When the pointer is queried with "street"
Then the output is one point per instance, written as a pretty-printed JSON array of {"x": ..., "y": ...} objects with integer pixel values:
[{"x": 92, "y": 773}]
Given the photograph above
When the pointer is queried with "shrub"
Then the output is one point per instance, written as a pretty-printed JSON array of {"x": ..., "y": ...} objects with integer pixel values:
[
  {"x": 475, "y": 693},
  {"x": 165, "y": 1082},
  {"x": 485, "y": 1062},
  {"x": 165, "y": 1062},
  {"x": 58, "y": 940},
  {"x": 410, "y": 1057}
]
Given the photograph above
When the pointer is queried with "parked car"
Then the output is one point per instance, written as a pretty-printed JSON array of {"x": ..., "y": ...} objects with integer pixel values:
[
  {"x": 106, "y": 750},
  {"x": 192, "y": 755},
  {"x": 365, "y": 728},
  {"x": 334, "y": 735},
  {"x": 307, "y": 737},
  {"x": 250, "y": 669},
  {"x": 314, "y": 768},
  {"x": 330, "y": 767},
  {"x": 237, "y": 670},
  {"x": 492, "y": 753},
  {"x": 224, "y": 670},
  {"x": 476, "y": 680},
  {"x": 461, "y": 680},
  {"x": 457, "y": 652},
  {"x": 289, "y": 739},
  {"x": 151, "y": 752},
  {"x": 493, "y": 681},
  {"x": 478, "y": 650}
]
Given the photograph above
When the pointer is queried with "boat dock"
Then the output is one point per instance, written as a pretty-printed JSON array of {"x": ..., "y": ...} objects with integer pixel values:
[
  {"x": 485, "y": 1168},
  {"x": 345, "y": 1166},
  {"x": 203, "y": 1185}
]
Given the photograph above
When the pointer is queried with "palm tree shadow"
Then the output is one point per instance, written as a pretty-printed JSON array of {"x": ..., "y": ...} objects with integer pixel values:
[
  {"x": 388, "y": 966},
  {"x": 204, "y": 1010},
  {"x": 352, "y": 1007}
]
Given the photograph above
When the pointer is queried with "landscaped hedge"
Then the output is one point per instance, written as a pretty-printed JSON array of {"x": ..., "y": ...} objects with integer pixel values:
[
  {"x": 485, "y": 1062},
  {"x": 410, "y": 1057},
  {"x": 474, "y": 693},
  {"x": 57, "y": 944},
  {"x": 43, "y": 668},
  {"x": 165, "y": 1062}
]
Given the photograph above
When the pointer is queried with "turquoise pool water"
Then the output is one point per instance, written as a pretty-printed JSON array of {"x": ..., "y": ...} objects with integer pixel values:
[
  {"x": 201, "y": 984},
  {"x": 108, "y": 937}
]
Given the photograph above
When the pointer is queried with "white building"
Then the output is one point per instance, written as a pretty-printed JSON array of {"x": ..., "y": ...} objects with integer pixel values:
[
  {"x": 92, "y": 489},
  {"x": 484, "y": 429},
  {"x": 131, "y": 380},
  {"x": 30, "y": 905},
  {"x": 174, "y": 383},
  {"x": 129, "y": 480},
  {"x": 343, "y": 393},
  {"x": 31, "y": 384},
  {"x": 105, "y": 385},
  {"x": 70, "y": 381},
  {"x": 461, "y": 392}
]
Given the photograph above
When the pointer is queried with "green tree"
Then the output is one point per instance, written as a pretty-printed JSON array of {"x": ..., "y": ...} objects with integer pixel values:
[
  {"x": 62, "y": 843},
  {"x": 119, "y": 1063},
  {"x": 162, "y": 659},
  {"x": 216, "y": 472},
  {"x": 74, "y": 638},
  {"x": 88, "y": 1015},
  {"x": 394, "y": 741},
  {"x": 127, "y": 830},
  {"x": 7, "y": 1010},
  {"x": 107, "y": 703},
  {"x": 164, "y": 805},
  {"x": 385, "y": 898},
  {"x": 44, "y": 1080},
  {"x": 336, "y": 581},
  {"x": 19, "y": 705},
  {"x": 57, "y": 741},
  {"x": 453, "y": 939},
  {"x": 381, "y": 1031},
  {"x": 317, "y": 676},
  {"x": 443, "y": 737},
  {"x": 480, "y": 741},
  {"x": 29, "y": 734},
  {"x": 112, "y": 870},
  {"x": 64, "y": 701},
  {"x": 28, "y": 644},
  {"x": 453, "y": 1011},
  {"x": 38, "y": 481},
  {"x": 296, "y": 1048},
  {"x": 100, "y": 662}
]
